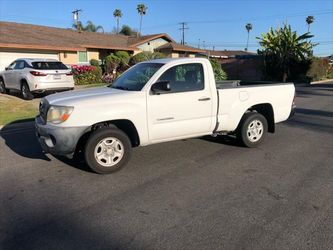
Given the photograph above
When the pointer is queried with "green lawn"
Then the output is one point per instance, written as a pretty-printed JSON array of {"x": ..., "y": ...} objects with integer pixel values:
[{"x": 13, "y": 108}]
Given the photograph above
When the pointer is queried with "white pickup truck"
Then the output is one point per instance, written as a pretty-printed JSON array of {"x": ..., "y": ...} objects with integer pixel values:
[{"x": 158, "y": 101}]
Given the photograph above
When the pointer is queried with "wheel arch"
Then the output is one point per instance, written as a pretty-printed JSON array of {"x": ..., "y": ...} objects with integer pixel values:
[{"x": 125, "y": 125}]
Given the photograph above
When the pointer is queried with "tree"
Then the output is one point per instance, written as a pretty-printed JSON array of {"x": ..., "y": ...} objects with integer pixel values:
[
  {"x": 282, "y": 49},
  {"x": 90, "y": 27},
  {"x": 219, "y": 73},
  {"x": 117, "y": 14},
  {"x": 309, "y": 20},
  {"x": 142, "y": 9},
  {"x": 146, "y": 56},
  {"x": 127, "y": 31},
  {"x": 248, "y": 27}
]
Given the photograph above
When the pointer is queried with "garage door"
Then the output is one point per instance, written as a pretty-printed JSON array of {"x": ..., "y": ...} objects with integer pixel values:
[{"x": 7, "y": 58}]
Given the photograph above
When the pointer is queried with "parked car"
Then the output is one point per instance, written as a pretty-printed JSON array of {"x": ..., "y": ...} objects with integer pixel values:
[
  {"x": 36, "y": 76},
  {"x": 158, "y": 101}
]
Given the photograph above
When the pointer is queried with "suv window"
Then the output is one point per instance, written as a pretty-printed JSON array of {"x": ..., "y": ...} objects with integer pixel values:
[
  {"x": 12, "y": 65},
  {"x": 185, "y": 77},
  {"x": 19, "y": 65},
  {"x": 49, "y": 65}
]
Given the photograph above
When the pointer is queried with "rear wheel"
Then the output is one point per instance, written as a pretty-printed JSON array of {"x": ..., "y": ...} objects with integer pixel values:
[
  {"x": 252, "y": 129},
  {"x": 3, "y": 89},
  {"x": 107, "y": 150},
  {"x": 25, "y": 91}
]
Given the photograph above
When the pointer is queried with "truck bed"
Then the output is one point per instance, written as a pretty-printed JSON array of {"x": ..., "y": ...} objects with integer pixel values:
[{"x": 227, "y": 84}]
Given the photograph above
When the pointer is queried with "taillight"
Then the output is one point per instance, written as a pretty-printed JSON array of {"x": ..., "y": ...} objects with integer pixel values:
[
  {"x": 69, "y": 74},
  {"x": 37, "y": 73}
]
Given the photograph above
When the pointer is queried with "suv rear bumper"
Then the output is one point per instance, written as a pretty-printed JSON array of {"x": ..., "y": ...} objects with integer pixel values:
[{"x": 58, "y": 140}]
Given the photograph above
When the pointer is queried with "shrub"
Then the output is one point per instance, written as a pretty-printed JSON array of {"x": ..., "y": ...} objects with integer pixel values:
[
  {"x": 319, "y": 69},
  {"x": 86, "y": 74},
  {"x": 124, "y": 59},
  {"x": 94, "y": 62},
  {"x": 111, "y": 63},
  {"x": 219, "y": 73},
  {"x": 145, "y": 56}
]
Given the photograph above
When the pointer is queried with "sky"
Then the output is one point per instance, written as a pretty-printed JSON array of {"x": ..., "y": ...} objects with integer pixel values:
[{"x": 212, "y": 24}]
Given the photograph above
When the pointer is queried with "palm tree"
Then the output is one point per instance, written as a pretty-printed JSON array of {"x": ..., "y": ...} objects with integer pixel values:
[
  {"x": 283, "y": 46},
  {"x": 248, "y": 27},
  {"x": 117, "y": 14},
  {"x": 309, "y": 20},
  {"x": 142, "y": 9},
  {"x": 90, "y": 27}
]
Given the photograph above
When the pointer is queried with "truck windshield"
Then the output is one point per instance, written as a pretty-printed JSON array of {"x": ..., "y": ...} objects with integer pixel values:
[{"x": 136, "y": 77}]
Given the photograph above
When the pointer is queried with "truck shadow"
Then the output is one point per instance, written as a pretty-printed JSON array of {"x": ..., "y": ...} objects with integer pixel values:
[{"x": 20, "y": 137}]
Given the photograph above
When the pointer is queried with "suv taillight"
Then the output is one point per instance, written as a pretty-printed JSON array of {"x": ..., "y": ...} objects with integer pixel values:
[
  {"x": 37, "y": 73},
  {"x": 69, "y": 74}
]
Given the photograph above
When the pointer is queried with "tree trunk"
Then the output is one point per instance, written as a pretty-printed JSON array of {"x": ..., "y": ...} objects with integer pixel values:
[
  {"x": 140, "y": 24},
  {"x": 118, "y": 25},
  {"x": 284, "y": 76}
]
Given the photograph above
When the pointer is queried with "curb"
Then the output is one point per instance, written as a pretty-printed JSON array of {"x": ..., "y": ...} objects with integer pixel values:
[{"x": 322, "y": 81}]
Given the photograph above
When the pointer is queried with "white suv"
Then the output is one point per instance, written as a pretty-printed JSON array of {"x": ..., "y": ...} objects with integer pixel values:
[{"x": 36, "y": 76}]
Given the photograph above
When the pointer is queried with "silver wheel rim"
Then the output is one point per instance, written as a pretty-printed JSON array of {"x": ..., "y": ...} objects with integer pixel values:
[
  {"x": 255, "y": 130},
  {"x": 109, "y": 151},
  {"x": 2, "y": 87},
  {"x": 24, "y": 91}
]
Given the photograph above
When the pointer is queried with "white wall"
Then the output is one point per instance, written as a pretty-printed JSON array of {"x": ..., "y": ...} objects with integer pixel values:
[{"x": 153, "y": 44}]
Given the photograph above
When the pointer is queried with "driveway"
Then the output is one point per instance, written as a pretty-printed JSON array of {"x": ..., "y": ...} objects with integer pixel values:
[{"x": 201, "y": 193}]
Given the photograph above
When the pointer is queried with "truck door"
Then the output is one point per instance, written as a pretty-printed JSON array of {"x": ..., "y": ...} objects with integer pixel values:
[{"x": 185, "y": 110}]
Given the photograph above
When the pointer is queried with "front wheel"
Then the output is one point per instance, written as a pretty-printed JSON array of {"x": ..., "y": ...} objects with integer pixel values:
[
  {"x": 3, "y": 89},
  {"x": 252, "y": 129},
  {"x": 107, "y": 150}
]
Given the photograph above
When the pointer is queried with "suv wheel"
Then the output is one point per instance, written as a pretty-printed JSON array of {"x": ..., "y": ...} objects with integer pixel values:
[
  {"x": 107, "y": 150},
  {"x": 3, "y": 89},
  {"x": 25, "y": 91},
  {"x": 252, "y": 129}
]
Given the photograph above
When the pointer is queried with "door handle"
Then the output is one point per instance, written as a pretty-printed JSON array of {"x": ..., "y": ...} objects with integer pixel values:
[{"x": 204, "y": 99}]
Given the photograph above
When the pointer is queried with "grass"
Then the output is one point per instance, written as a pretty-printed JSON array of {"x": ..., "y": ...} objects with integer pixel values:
[{"x": 13, "y": 108}]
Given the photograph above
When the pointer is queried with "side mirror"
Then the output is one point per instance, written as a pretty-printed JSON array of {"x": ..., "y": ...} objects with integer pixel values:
[
  {"x": 7, "y": 68},
  {"x": 161, "y": 87}
]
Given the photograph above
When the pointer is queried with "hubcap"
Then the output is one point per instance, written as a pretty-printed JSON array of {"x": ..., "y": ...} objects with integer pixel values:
[
  {"x": 255, "y": 130},
  {"x": 109, "y": 151},
  {"x": 24, "y": 90}
]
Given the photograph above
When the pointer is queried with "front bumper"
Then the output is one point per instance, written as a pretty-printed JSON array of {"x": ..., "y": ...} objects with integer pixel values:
[{"x": 58, "y": 140}]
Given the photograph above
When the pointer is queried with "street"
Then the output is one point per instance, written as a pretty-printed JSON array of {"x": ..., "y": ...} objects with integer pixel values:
[{"x": 204, "y": 193}]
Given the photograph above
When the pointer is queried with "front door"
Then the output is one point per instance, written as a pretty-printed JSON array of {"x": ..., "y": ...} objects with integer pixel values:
[{"x": 185, "y": 110}]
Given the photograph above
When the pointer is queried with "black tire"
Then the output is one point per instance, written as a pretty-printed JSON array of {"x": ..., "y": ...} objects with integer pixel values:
[
  {"x": 3, "y": 89},
  {"x": 93, "y": 144},
  {"x": 251, "y": 133},
  {"x": 25, "y": 91}
]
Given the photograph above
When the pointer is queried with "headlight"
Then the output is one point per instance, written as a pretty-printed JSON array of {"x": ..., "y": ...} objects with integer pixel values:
[{"x": 59, "y": 114}]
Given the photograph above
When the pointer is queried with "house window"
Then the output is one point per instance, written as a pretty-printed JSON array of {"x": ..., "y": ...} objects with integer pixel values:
[{"x": 83, "y": 57}]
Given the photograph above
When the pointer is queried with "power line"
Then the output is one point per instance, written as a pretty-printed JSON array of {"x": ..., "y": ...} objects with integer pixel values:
[{"x": 183, "y": 28}]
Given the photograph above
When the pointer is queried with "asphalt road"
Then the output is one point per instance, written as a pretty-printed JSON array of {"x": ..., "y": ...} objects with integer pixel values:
[{"x": 191, "y": 194}]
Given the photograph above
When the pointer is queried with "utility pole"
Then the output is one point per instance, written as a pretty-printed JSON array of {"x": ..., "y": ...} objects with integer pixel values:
[
  {"x": 183, "y": 28},
  {"x": 76, "y": 18},
  {"x": 199, "y": 44}
]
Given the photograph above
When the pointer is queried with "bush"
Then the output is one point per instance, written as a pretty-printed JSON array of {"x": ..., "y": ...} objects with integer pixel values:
[
  {"x": 319, "y": 69},
  {"x": 145, "y": 56},
  {"x": 219, "y": 73},
  {"x": 124, "y": 59},
  {"x": 111, "y": 63},
  {"x": 94, "y": 62},
  {"x": 86, "y": 74}
]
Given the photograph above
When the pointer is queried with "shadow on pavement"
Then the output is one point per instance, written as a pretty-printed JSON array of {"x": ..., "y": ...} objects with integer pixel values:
[{"x": 20, "y": 137}]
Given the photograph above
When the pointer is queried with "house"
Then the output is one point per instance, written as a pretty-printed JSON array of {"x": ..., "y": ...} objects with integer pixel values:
[{"x": 19, "y": 40}]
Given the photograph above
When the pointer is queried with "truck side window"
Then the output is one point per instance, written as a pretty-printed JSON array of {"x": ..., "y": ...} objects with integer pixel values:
[{"x": 184, "y": 78}]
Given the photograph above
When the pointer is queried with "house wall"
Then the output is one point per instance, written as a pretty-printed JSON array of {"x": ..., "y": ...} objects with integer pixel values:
[
  {"x": 174, "y": 55},
  {"x": 68, "y": 57},
  {"x": 153, "y": 44},
  {"x": 93, "y": 54}
]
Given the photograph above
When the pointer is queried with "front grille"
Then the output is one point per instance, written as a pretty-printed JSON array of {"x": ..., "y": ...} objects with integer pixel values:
[{"x": 43, "y": 108}]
